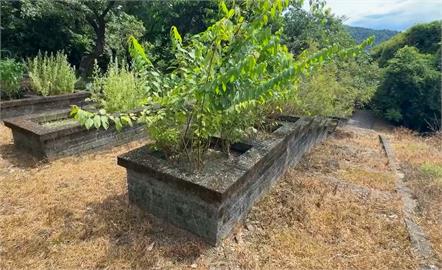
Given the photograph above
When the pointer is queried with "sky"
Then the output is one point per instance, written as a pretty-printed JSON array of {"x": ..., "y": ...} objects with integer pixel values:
[{"x": 387, "y": 14}]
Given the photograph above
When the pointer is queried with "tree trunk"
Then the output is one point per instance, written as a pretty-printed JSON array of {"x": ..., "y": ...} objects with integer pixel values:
[
  {"x": 98, "y": 23},
  {"x": 87, "y": 61}
]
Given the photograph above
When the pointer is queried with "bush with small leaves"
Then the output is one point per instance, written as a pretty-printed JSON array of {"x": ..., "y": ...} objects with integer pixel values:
[
  {"x": 11, "y": 75},
  {"x": 51, "y": 74}
]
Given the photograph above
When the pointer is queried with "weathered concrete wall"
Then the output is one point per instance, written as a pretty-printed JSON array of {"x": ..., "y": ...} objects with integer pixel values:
[
  {"x": 50, "y": 143},
  {"x": 213, "y": 219},
  {"x": 38, "y": 104},
  {"x": 87, "y": 140}
]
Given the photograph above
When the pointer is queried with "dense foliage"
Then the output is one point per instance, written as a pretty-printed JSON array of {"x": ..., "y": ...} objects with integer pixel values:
[
  {"x": 222, "y": 79},
  {"x": 409, "y": 93},
  {"x": 222, "y": 72},
  {"x": 51, "y": 74},
  {"x": 337, "y": 87},
  {"x": 191, "y": 17},
  {"x": 89, "y": 30},
  {"x": 410, "y": 90},
  {"x": 425, "y": 37},
  {"x": 117, "y": 90},
  {"x": 11, "y": 74},
  {"x": 360, "y": 34}
]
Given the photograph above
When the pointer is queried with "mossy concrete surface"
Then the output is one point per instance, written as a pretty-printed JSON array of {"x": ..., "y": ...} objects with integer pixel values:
[
  {"x": 48, "y": 142},
  {"x": 39, "y": 104}
]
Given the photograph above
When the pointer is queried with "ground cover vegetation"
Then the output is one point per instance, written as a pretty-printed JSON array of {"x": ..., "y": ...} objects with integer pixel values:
[
  {"x": 420, "y": 159},
  {"x": 223, "y": 78},
  {"x": 323, "y": 214}
]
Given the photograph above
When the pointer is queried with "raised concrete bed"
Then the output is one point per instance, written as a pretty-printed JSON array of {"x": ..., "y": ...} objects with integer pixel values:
[
  {"x": 39, "y": 104},
  {"x": 211, "y": 202},
  {"x": 51, "y": 135}
]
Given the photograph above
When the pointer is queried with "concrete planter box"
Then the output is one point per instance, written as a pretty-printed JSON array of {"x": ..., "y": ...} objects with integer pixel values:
[
  {"x": 42, "y": 137},
  {"x": 39, "y": 104},
  {"x": 211, "y": 202}
]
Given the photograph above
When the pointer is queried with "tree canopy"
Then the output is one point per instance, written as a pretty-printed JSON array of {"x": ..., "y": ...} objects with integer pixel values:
[{"x": 410, "y": 89}]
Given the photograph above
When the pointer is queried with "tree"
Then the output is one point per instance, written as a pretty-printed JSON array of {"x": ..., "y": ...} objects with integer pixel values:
[
  {"x": 425, "y": 37},
  {"x": 96, "y": 14},
  {"x": 191, "y": 17},
  {"x": 85, "y": 29},
  {"x": 32, "y": 26},
  {"x": 409, "y": 93},
  {"x": 339, "y": 86}
]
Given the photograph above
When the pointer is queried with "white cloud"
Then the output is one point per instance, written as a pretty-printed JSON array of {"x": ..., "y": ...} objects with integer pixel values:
[{"x": 387, "y": 14}]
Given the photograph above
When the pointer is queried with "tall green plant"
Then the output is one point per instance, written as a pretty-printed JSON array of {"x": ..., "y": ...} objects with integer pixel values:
[
  {"x": 11, "y": 75},
  {"x": 51, "y": 74},
  {"x": 119, "y": 89},
  {"x": 223, "y": 77}
]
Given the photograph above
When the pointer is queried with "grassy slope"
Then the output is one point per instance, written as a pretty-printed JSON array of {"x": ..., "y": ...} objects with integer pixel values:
[
  {"x": 324, "y": 214},
  {"x": 421, "y": 161}
]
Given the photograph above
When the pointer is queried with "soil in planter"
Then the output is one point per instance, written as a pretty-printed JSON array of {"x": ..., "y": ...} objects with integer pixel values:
[{"x": 212, "y": 158}]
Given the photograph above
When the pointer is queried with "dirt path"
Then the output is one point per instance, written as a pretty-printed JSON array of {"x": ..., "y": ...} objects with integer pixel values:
[
  {"x": 368, "y": 120},
  {"x": 337, "y": 210}
]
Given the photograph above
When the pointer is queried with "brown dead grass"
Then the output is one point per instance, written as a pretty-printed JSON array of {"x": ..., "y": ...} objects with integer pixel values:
[
  {"x": 74, "y": 213},
  {"x": 379, "y": 180},
  {"x": 416, "y": 153}
]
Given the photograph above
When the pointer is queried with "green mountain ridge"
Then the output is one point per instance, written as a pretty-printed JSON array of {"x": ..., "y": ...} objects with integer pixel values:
[{"x": 360, "y": 34}]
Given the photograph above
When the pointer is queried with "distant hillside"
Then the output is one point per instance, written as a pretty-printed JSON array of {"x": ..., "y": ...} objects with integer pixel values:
[{"x": 360, "y": 34}]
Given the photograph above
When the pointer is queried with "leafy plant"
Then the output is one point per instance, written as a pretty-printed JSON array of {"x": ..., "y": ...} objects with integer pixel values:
[
  {"x": 335, "y": 89},
  {"x": 116, "y": 93},
  {"x": 118, "y": 90},
  {"x": 11, "y": 75},
  {"x": 51, "y": 74},
  {"x": 223, "y": 77}
]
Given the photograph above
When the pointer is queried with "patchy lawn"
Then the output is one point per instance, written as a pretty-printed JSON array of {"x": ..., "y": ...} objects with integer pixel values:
[{"x": 336, "y": 210}]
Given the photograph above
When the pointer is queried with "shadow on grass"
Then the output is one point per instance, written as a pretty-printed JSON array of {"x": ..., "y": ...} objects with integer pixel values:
[
  {"x": 138, "y": 237},
  {"x": 18, "y": 157}
]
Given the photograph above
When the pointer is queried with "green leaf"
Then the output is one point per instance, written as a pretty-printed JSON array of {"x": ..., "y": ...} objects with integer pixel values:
[
  {"x": 118, "y": 124},
  {"x": 97, "y": 121},
  {"x": 231, "y": 13},
  {"x": 104, "y": 121},
  {"x": 125, "y": 120},
  {"x": 223, "y": 8},
  {"x": 74, "y": 110},
  {"x": 89, "y": 123}
]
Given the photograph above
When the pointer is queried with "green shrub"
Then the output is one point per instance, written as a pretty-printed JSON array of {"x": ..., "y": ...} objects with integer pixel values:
[
  {"x": 334, "y": 89},
  {"x": 424, "y": 37},
  {"x": 409, "y": 93},
  {"x": 11, "y": 74},
  {"x": 119, "y": 89},
  {"x": 51, "y": 74}
]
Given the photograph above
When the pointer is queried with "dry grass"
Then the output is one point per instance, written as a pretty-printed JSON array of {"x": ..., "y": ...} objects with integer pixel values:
[
  {"x": 421, "y": 161},
  {"x": 74, "y": 213},
  {"x": 373, "y": 179}
]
